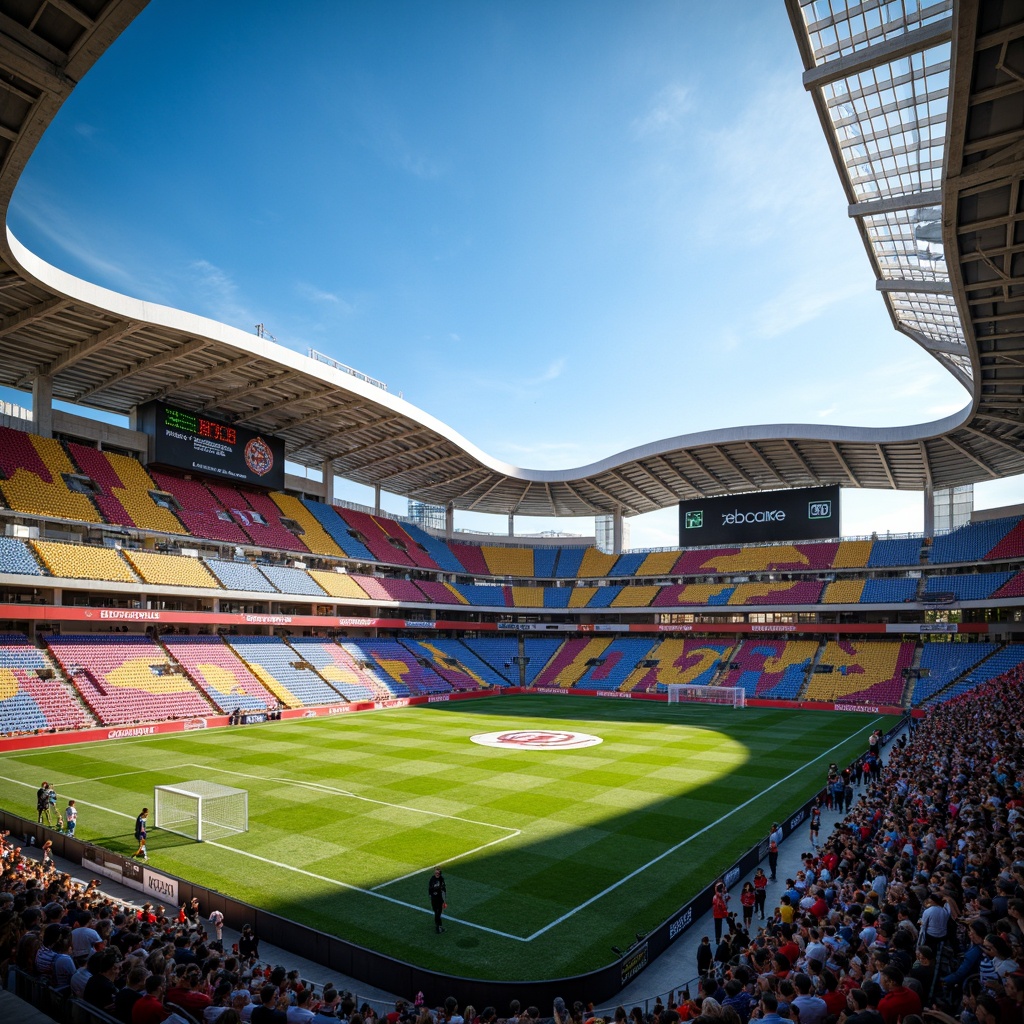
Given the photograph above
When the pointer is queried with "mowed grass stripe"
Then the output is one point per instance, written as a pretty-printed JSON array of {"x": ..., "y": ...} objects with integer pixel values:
[{"x": 660, "y": 775}]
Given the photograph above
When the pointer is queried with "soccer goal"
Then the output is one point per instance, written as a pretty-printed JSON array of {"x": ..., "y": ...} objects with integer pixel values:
[
  {"x": 730, "y": 696},
  {"x": 201, "y": 810}
]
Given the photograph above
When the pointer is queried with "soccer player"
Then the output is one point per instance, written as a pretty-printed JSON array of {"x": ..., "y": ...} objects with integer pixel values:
[
  {"x": 437, "y": 891},
  {"x": 140, "y": 834},
  {"x": 71, "y": 818}
]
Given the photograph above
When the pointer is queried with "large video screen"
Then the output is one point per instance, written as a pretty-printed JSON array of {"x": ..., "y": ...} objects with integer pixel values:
[
  {"x": 811, "y": 513},
  {"x": 200, "y": 444}
]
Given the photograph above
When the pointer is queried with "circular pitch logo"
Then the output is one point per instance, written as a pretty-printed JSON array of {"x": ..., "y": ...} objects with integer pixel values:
[{"x": 537, "y": 739}]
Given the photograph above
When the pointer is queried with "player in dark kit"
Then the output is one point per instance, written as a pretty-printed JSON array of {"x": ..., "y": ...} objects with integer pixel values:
[{"x": 437, "y": 892}]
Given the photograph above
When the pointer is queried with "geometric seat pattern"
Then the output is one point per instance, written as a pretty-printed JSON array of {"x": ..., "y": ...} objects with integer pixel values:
[
  {"x": 172, "y": 570},
  {"x": 258, "y": 517},
  {"x": 123, "y": 678},
  {"x": 679, "y": 662},
  {"x": 28, "y": 702},
  {"x": 863, "y": 670},
  {"x": 570, "y": 662},
  {"x": 200, "y": 512},
  {"x": 456, "y": 665},
  {"x": 618, "y": 662},
  {"x": 240, "y": 576},
  {"x": 220, "y": 673},
  {"x": 293, "y": 680},
  {"x": 341, "y": 669},
  {"x": 406, "y": 675},
  {"x": 772, "y": 669},
  {"x": 970, "y": 542},
  {"x": 31, "y": 480}
]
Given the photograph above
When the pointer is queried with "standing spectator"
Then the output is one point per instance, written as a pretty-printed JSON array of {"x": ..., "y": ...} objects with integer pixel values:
[
  {"x": 140, "y": 833},
  {"x": 43, "y": 803},
  {"x": 71, "y": 818},
  {"x": 774, "y": 838},
  {"x": 760, "y": 891},
  {"x": 217, "y": 923},
  {"x": 747, "y": 900},
  {"x": 705, "y": 956},
  {"x": 719, "y": 909},
  {"x": 249, "y": 944}
]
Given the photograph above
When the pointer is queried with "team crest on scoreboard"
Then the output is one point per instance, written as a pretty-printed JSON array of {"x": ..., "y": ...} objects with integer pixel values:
[
  {"x": 537, "y": 739},
  {"x": 258, "y": 456}
]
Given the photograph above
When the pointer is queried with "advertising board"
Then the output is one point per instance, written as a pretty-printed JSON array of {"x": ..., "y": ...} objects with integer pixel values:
[
  {"x": 201, "y": 444},
  {"x": 809, "y": 513}
]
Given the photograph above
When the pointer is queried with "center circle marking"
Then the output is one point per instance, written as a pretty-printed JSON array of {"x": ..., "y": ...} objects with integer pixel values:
[{"x": 537, "y": 739}]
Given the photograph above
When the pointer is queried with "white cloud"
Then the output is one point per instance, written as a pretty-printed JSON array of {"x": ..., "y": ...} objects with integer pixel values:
[
  {"x": 666, "y": 112},
  {"x": 325, "y": 298}
]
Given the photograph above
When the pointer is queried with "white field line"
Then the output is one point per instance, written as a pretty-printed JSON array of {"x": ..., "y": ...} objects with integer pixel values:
[
  {"x": 479, "y": 927},
  {"x": 323, "y": 788},
  {"x": 706, "y": 828},
  {"x": 299, "y": 871}
]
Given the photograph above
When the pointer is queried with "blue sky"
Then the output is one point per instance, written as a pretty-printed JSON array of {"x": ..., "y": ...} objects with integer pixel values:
[{"x": 565, "y": 229}]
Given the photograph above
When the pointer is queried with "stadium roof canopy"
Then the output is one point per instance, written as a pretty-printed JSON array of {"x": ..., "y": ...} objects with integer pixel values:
[{"x": 922, "y": 104}]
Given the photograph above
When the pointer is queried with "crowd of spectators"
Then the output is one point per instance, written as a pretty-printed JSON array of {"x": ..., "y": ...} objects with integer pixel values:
[{"x": 911, "y": 911}]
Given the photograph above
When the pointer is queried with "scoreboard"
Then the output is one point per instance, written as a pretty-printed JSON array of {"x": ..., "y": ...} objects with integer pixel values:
[
  {"x": 761, "y": 517},
  {"x": 201, "y": 444}
]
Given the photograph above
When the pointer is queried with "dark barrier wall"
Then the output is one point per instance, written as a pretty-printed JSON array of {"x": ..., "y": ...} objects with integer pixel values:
[{"x": 382, "y": 971}]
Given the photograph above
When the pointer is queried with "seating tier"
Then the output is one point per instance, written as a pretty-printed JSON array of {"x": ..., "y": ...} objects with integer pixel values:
[
  {"x": 171, "y": 570},
  {"x": 377, "y": 534},
  {"x": 32, "y": 480},
  {"x": 219, "y": 673},
  {"x": 945, "y": 662},
  {"x": 77, "y": 562},
  {"x": 968, "y": 586},
  {"x": 340, "y": 665},
  {"x": 570, "y": 661},
  {"x": 290, "y": 580},
  {"x": 617, "y": 663},
  {"x": 240, "y": 576},
  {"x": 243, "y": 504},
  {"x": 680, "y": 662},
  {"x": 286, "y": 675},
  {"x": 125, "y": 678},
  {"x": 201, "y": 513},
  {"x": 407, "y": 676},
  {"x": 28, "y": 702},
  {"x": 17, "y": 558},
  {"x": 508, "y": 561},
  {"x": 869, "y": 671},
  {"x": 317, "y": 533},
  {"x": 971, "y": 542},
  {"x": 771, "y": 668}
]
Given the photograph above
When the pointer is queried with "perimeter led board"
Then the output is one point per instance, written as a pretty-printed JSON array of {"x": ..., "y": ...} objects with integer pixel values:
[
  {"x": 200, "y": 444},
  {"x": 811, "y": 513}
]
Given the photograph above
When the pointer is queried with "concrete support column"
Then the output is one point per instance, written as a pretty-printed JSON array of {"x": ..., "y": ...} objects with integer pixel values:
[
  {"x": 42, "y": 406},
  {"x": 376, "y": 499},
  {"x": 929, "y": 511},
  {"x": 511, "y": 524},
  {"x": 449, "y": 521},
  {"x": 328, "y": 471},
  {"x": 617, "y": 532}
]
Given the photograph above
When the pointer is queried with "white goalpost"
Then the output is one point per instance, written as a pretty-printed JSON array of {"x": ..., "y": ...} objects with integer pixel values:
[
  {"x": 201, "y": 810},
  {"x": 729, "y": 696}
]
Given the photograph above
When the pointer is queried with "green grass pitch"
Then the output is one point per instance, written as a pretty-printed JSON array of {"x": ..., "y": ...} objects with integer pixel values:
[{"x": 550, "y": 856}]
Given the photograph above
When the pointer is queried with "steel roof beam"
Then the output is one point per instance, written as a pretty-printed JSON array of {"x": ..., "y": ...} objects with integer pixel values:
[
  {"x": 152, "y": 363},
  {"x": 80, "y": 351},
  {"x": 24, "y": 317},
  {"x": 895, "y": 204},
  {"x": 255, "y": 385},
  {"x": 283, "y": 404},
  {"x": 885, "y": 52},
  {"x": 888, "y": 284},
  {"x": 214, "y": 371}
]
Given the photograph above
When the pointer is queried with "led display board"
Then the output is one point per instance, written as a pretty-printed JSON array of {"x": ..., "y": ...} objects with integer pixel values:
[
  {"x": 811, "y": 513},
  {"x": 201, "y": 444}
]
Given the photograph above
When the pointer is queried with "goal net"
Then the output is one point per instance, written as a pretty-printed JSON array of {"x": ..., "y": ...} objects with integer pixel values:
[
  {"x": 730, "y": 696},
  {"x": 201, "y": 810}
]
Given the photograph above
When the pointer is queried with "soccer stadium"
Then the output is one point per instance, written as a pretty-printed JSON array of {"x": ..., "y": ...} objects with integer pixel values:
[{"x": 319, "y": 702}]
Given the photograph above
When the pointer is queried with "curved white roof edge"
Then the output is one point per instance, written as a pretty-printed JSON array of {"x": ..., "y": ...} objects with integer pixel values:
[{"x": 128, "y": 308}]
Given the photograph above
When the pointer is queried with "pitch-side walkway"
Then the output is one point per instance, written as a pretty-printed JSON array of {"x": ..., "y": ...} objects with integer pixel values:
[{"x": 668, "y": 974}]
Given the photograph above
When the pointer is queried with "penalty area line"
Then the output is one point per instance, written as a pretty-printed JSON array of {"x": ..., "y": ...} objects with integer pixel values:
[
  {"x": 707, "y": 828},
  {"x": 300, "y": 871}
]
